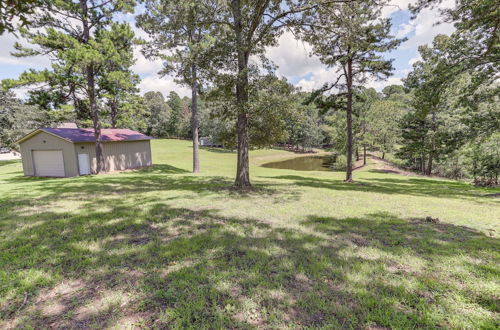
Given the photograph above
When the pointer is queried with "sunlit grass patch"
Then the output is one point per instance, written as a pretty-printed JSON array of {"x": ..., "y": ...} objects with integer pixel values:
[{"x": 161, "y": 248}]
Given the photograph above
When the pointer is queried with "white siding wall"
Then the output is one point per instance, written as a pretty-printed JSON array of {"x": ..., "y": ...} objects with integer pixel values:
[{"x": 119, "y": 155}]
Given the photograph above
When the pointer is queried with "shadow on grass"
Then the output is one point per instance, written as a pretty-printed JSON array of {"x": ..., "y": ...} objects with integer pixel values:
[
  {"x": 147, "y": 180},
  {"x": 403, "y": 186},
  {"x": 9, "y": 162},
  {"x": 163, "y": 169},
  {"x": 112, "y": 263}
]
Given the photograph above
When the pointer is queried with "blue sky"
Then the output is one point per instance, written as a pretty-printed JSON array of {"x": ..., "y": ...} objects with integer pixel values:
[{"x": 291, "y": 56}]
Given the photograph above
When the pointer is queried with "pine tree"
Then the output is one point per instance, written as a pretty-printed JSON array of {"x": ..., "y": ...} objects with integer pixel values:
[
  {"x": 80, "y": 52},
  {"x": 180, "y": 34},
  {"x": 350, "y": 37}
]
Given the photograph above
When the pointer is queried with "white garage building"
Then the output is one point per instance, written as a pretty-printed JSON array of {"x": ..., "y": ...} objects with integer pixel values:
[{"x": 66, "y": 152}]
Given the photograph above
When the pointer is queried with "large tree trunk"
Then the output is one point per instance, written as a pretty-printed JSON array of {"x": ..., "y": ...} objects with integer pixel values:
[
  {"x": 242, "y": 170},
  {"x": 90, "y": 77},
  {"x": 95, "y": 119},
  {"x": 349, "y": 122},
  {"x": 194, "y": 120}
]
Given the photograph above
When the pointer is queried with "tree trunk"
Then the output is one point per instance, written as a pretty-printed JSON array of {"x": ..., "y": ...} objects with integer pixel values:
[
  {"x": 90, "y": 77},
  {"x": 364, "y": 155},
  {"x": 194, "y": 120},
  {"x": 95, "y": 118},
  {"x": 242, "y": 170},
  {"x": 349, "y": 121},
  {"x": 433, "y": 137},
  {"x": 383, "y": 154},
  {"x": 357, "y": 154},
  {"x": 114, "y": 113},
  {"x": 429, "y": 164}
]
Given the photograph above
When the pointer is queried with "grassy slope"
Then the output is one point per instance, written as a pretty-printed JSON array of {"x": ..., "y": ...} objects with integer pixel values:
[{"x": 165, "y": 248}]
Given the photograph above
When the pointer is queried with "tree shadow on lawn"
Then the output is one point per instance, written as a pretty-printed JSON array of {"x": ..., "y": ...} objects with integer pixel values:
[
  {"x": 404, "y": 186},
  {"x": 164, "y": 267},
  {"x": 9, "y": 162},
  {"x": 151, "y": 179}
]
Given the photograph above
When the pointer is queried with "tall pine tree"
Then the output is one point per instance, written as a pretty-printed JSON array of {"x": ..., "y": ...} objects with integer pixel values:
[
  {"x": 80, "y": 39},
  {"x": 351, "y": 38}
]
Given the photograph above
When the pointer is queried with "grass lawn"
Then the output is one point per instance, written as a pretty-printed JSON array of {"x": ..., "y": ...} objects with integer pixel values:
[{"x": 163, "y": 248}]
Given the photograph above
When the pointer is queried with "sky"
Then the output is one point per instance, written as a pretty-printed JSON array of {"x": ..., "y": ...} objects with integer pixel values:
[{"x": 291, "y": 56}]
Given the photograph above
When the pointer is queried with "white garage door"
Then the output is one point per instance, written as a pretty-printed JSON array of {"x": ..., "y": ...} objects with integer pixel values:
[{"x": 48, "y": 162}]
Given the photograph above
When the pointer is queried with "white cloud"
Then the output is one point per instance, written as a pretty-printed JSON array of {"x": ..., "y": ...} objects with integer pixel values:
[
  {"x": 144, "y": 65},
  {"x": 164, "y": 85},
  {"x": 426, "y": 28},
  {"x": 7, "y": 41},
  {"x": 292, "y": 57},
  {"x": 394, "y": 6},
  {"x": 404, "y": 30},
  {"x": 317, "y": 79}
]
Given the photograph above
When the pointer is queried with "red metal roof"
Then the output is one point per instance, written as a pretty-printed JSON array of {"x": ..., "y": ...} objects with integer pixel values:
[{"x": 87, "y": 134}]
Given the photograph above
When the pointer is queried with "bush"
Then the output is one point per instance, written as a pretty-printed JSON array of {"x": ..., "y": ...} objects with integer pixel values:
[{"x": 340, "y": 163}]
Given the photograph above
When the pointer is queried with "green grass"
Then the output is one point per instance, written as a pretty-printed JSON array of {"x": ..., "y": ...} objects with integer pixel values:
[{"x": 163, "y": 248}]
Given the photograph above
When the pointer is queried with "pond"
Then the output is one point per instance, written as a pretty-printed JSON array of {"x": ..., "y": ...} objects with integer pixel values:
[{"x": 306, "y": 163}]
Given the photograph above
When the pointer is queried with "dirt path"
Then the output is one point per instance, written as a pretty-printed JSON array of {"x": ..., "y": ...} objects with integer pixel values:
[{"x": 383, "y": 166}]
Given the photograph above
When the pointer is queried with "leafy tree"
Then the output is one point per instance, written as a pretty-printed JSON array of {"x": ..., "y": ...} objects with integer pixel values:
[
  {"x": 414, "y": 130},
  {"x": 303, "y": 124},
  {"x": 118, "y": 83},
  {"x": 269, "y": 105},
  {"x": 384, "y": 117},
  {"x": 180, "y": 33},
  {"x": 81, "y": 52},
  {"x": 477, "y": 36},
  {"x": 364, "y": 98},
  {"x": 428, "y": 98},
  {"x": 132, "y": 113},
  {"x": 350, "y": 37},
  {"x": 484, "y": 160},
  {"x": 18, "y": 119},
  {"x": 174, "y": 101},
  {"x": 158, "y": 113},
  {"x": 245, "y": 29}
]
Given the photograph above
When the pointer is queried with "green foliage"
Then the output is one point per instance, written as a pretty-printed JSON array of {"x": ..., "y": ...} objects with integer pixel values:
[
  {"x": 484, "y": 160},
  {"x": 92, "y": 47},
  {"x": 447, "y": 114},
  {"x": 350, "y": 37},
  {"x": 158, "y": 114},
  {"x": 303, "y": 123},
  {"x": 175, "y": 104},
  {"x": 10, "y": 10},
  {"x": 340, "y": 163},
  {"x": 180, "y": 34},
  {"x": 18, "y": 119},
  {"x": 271, "y": 103},
  {"x": 475, "y": 43},
  {"x": 383, "y": 119}
]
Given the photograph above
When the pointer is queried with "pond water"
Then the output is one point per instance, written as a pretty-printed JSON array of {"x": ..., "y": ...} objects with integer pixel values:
[{"x": 306, "y": 163}]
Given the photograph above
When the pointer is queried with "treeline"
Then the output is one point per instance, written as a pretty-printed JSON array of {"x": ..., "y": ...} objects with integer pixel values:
[{"x": 444, "y": 121}]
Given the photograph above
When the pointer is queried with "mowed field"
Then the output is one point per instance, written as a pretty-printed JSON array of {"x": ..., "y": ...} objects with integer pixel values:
[{"x": 164, "y": 248}]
